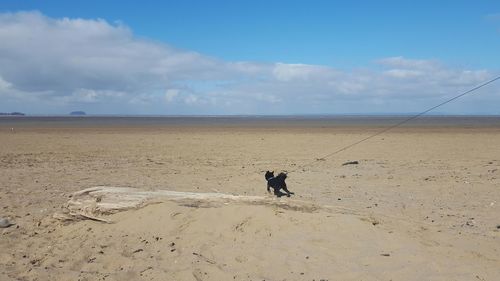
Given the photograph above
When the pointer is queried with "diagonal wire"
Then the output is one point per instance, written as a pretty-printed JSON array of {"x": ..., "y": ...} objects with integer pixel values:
[{"x": 401, "y": 123}]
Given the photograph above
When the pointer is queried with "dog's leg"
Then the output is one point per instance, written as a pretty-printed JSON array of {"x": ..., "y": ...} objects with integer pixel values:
[
  {"x": 286, "y": 190},
  {"x": 277, "y": 192},
  {"x": 268, "y": 188}
]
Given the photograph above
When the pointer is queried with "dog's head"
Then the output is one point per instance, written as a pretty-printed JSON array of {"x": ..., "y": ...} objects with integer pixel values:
[{"x": 269, "y": 175}]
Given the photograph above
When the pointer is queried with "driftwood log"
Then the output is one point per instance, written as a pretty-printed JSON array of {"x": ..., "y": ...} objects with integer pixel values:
[{"x": 96, "y": 202}]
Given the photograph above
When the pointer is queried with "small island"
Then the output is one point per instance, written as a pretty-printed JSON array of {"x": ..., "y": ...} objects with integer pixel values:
[
  {"x": 12, "y": 114},
  {"x": 77, "y": 113}
]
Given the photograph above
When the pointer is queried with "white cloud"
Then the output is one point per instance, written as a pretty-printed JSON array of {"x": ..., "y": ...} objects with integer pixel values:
[
  {"x": 268, "y": 98},
  {"x": 39, "y": 52},
  {"x": 58, "y": 64},
  {"x": 403, "y": 73},
  {"x": 4, "y": 85},
  {"x": 191, "y": 99},
  {"x": 92, "y": 96},
  {"x": 170, "y": 94},
  {"x": 404, "y": 63},
  {"x": 289, "y": 72}
]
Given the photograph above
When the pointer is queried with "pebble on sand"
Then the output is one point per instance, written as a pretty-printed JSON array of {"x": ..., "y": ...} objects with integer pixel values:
[{"x": 4, "y": 223}]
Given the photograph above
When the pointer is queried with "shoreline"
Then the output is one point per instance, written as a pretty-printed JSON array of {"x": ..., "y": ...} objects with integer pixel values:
[{"x": 312, "y": 122}]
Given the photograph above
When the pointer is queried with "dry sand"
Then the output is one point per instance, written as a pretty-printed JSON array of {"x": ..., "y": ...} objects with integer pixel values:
[{"x": 422, "y": 204}]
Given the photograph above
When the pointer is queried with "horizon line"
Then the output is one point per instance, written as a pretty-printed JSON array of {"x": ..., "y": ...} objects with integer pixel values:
[{"x": 259, "y": 115}]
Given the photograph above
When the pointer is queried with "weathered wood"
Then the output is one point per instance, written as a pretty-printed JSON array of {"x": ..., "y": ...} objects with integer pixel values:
[{"x": 92, "y": 203}]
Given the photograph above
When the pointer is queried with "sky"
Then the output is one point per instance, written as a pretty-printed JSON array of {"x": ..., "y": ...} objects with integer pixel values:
[{"x": 248, "y": 57}]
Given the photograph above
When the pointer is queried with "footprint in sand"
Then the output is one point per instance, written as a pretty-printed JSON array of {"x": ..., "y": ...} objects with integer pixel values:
[{"x": 240, "y": 227}]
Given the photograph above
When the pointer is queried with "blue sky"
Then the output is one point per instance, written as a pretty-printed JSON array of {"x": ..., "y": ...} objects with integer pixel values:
[{"x": 231, "y": 57}]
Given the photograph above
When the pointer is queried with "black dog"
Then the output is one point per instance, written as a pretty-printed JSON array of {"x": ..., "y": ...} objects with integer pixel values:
[{"x": 277, "y": 183}]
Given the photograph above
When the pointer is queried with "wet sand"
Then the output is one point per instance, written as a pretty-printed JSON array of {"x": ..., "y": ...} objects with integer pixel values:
[{"x": 422, "y": 204}]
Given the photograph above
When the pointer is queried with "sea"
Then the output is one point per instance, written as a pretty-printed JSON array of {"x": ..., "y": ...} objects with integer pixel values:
[{"x": 90, "y": 121}]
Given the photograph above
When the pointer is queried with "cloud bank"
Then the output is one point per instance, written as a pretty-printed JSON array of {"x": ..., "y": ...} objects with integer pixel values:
[{"x": 53, "y": 66}]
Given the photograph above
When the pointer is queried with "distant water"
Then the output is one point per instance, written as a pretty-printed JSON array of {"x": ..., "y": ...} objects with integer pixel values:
[{"x": 247, "y": 121}]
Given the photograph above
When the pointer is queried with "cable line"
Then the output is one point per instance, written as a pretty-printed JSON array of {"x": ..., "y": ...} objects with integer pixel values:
[{"x": 400, "y": 123}]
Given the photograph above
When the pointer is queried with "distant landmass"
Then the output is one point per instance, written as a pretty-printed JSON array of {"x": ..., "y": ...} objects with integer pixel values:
[
  {"x": 78, "y": 113},
  {"x": 12, "y": 113}
]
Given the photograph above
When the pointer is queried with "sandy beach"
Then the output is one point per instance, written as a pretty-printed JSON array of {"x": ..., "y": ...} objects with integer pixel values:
[{"x": 422, "y": 204}]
